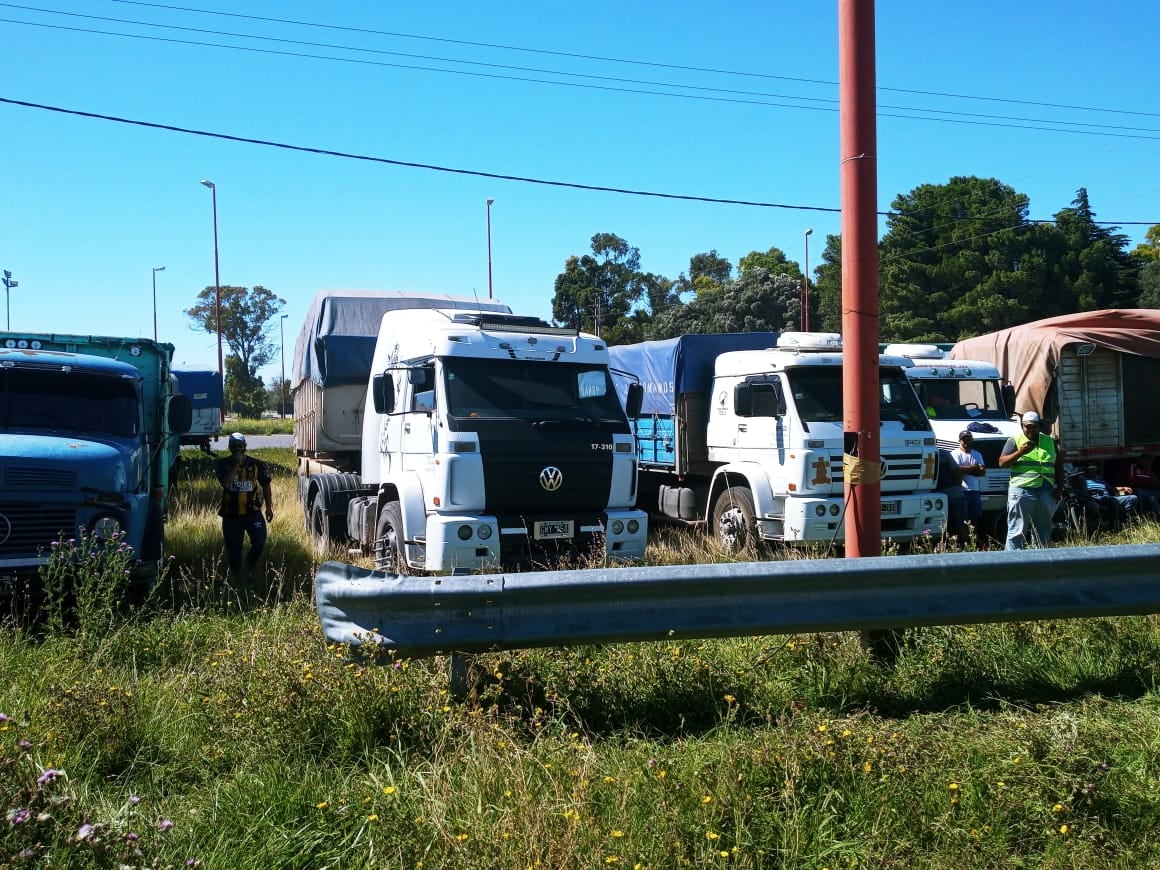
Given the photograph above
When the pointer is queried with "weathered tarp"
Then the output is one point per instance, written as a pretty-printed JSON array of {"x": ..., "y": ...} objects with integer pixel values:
[
  {"x": 337, "y": 341},
  {"x": 204, "y": 388},
  {"x": 1028, "y": 355},
  {"x": 673, "y": 366}
]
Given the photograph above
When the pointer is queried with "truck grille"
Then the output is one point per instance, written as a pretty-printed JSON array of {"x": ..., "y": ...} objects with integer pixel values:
[
  {"x": 27, "y": 529},
  {"x": 39, "y": 477}
]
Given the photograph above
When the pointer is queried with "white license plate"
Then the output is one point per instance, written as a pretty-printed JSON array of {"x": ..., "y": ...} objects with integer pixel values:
[
  {"x": 890, "y": 507},
  {"x": 547, "y": 530}
]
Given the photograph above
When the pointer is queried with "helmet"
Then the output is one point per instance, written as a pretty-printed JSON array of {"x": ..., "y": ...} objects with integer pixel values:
[{"x": 237, "y": 442}]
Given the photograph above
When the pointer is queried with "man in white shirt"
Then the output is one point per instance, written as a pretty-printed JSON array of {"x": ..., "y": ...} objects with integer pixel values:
[{"x": 970, "y": 462}]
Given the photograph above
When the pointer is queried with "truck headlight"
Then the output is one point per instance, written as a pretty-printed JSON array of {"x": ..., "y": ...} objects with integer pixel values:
[
  {"x": 820, "y": 510},
  {"x": 927, "y": 505},
  {"x": 464, "y": 532},
  {"x": 633, "y": 527},
  {"x": 105, "y": 527},
  {"x": 484, "y": 532},
  {"x": 618, "y": 527},
  {"x": 834, "y": 510}
]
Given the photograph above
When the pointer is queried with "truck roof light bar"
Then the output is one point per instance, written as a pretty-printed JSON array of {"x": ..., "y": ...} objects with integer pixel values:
[
  {"x": 810, "y": 341},
  {"x": 512, "y": 323}
]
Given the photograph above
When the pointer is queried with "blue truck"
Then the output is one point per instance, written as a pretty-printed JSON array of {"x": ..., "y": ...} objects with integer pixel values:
[
  {"x": 204, "y": 389},
  {"x": 90, "y": 430}
]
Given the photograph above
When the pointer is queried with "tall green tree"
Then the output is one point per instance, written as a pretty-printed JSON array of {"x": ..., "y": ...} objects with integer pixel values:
[
  {"x": 757, "y": 301},
  {"x": 596, "y": 291},
  {"x": 246, "y": 394},
  {"x": 1149, "y": 249},
  {"x": 773, "y": 261},
  {"x": 1096, "y": 269},
  {"x": 949, "y": 262},
  {"x": 708, "y": 273},
  {"x": 248, "y": 318},
  {"x": 826, "y": 288},
  {"x": 1150, "y": 285}
]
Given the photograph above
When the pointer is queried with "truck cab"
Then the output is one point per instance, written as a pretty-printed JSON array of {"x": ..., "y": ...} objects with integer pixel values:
[
  {"x": 960, "y": 394},
  {"x": 491, "y": 439},
  {"x": 89, "y": 432}
]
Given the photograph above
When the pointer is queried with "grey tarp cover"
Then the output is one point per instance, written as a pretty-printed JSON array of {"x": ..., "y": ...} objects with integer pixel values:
[
  {"x": 1028, "y": 355},
  {"x": 673, "y": 366},
  {"x": 337, "y": 341}
]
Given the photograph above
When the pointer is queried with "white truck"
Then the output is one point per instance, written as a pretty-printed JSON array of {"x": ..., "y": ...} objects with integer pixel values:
[
  {"x": 744, "y": 433},
  {"x": 967, "y": 394},
  {"x": 486, "y": 439}
]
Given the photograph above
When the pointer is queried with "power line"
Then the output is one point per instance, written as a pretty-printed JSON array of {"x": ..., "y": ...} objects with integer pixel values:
[
  {"x": 453, "y": 170},
  {"x": 919, "y": 114},
  {"x": 631, "y": 61}
]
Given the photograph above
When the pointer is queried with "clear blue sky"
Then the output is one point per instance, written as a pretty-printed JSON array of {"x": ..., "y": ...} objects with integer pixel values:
[{"x": 89, "y": 207}]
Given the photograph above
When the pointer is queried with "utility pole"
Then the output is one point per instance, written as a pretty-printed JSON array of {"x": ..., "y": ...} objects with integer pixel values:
[{"x": 8, "y": 285}]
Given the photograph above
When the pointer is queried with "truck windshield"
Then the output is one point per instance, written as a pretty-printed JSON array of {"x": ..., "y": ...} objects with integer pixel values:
[
  {"x": 55, "y": 401},
  {"x": 961, "y": 398},
  {"x": 817, "y": 394},
  {"x": 529, "y": 390}
]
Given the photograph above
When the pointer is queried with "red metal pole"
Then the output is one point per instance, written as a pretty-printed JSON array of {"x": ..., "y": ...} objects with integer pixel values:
[{"x": 859, "y": 161}]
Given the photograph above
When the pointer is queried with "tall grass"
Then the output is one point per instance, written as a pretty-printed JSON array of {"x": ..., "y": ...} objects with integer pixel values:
[{"x": 215, "y": 728}]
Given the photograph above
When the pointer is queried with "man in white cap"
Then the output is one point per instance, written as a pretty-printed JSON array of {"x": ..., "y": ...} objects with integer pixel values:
[{"x": 1037, "y": 476}]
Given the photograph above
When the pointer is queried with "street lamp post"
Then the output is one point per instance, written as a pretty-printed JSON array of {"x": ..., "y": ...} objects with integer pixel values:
[
  {"x": 489, "y": 202},
  {"x": 806, "y": 290},
  {"x": 282, "y": 386},
  {"x": 8, "y": 285},
  {"x": 156, "y": 269},
  {"x": 217, "y": 281}
]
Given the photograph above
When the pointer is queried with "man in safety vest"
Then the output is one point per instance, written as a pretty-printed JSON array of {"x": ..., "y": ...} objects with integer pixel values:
[{"x": 1037, "y": 476}]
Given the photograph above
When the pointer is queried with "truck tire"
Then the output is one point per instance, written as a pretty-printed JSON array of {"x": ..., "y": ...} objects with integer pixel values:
[
  {"x": 734, "y": 519},
  {"x": 389, "y": 539},
  {"x": 319, "y": 527}
]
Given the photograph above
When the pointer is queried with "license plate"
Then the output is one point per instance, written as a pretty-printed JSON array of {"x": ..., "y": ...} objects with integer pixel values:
[
  {"x": 890, "y": 507},
  {"x": 547, "y": 530}
]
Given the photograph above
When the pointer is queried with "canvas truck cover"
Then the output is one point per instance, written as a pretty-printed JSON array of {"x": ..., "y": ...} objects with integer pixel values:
[
  {"x": 204, "y": 388},
  {"x": 337, "y": 341},
  {"x": 1029, "y": 354},
  {"x": 674, "y": 366}
]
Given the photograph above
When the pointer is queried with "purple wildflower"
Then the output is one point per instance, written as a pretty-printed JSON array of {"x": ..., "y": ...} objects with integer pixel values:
[
  {"x": 84, "y": 831},
  {"x": 164, "y": 825},
  {"x": 18, "y": 816},
  {"x": 134, "y": 800},
  {"x": 23, "y": 744},
  {"x": 131, "y": 837},
  {"x": 47, "y": 777},
  {"x": 4, "y": 717}
]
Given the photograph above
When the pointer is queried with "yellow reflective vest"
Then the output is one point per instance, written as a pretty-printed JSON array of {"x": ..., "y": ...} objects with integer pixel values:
[{"x": 1037, "y": 468}]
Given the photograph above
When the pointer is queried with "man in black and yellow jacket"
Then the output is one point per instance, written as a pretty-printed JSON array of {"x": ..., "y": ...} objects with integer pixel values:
[
  {"x": 245, "y": 491},
  {"x": 1036, "y": 465}
]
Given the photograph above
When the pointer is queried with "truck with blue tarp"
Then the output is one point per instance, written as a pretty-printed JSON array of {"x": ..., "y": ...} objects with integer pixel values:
[
  {"x": 204, "y": 389},
  {"x": 743, "y": 434},
  {"x": 89, "y": 433}
]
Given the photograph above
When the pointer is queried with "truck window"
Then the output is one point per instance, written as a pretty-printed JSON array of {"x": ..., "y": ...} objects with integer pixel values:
[
  {"x": 817, "y": 394},
  {"x": 54, "y": 401},
  {"x": 529, "y": 389}
]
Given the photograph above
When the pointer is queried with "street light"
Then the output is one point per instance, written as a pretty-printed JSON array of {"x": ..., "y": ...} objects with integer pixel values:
[
  {"x": 8, "y": 285},
  {"x": 282, "y": 386},
  {"x": 489, "y": 202},
  {"x": 156, "y": 269},
  {"x": 217, "y": 281},
  {"x": 806, "y": 292}
]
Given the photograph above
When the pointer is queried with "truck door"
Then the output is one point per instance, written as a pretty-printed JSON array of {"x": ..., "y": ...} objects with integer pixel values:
[
  {"x": 419, "y": 420},
  {"x": 759, "y": 404}
]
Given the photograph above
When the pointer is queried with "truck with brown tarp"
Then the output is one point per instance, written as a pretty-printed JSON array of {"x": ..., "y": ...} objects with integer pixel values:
[{"x": 1092, "y": 376}]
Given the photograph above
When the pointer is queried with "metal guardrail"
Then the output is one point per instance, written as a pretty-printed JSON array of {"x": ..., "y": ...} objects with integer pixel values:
[{"x": 424, "y": 616}]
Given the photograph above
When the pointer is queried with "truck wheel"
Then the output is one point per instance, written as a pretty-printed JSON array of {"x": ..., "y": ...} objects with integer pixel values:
[
  {"x": 389, "y": 539},
  {"x": 734, "y": 519},
  {"x": 319, "y": 527}
]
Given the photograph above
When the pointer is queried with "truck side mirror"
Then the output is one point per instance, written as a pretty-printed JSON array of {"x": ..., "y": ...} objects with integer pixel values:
[
  {"x": 383, "y": 393},
  {"x": 1009, "y": 398},
  {"x": 634, "y": 401},
  {"x": 179, "y": 414}
]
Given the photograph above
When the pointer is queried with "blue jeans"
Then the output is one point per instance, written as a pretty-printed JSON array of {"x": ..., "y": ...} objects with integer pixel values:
[{"x": 1029, "y": 516}]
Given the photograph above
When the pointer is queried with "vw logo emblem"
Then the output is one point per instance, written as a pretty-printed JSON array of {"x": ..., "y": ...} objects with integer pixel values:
[
  {"x": 551, "y": 478},
  {"x": 884, "y": 467},
  {"x": 5, "y": 529}
]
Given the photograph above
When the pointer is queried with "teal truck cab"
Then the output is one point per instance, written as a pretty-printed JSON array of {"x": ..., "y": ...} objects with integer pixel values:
[{"x": 89, "y": 432}]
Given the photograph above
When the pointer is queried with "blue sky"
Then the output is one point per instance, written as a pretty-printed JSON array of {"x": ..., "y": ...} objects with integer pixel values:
[{"x": 89, "y": 207}]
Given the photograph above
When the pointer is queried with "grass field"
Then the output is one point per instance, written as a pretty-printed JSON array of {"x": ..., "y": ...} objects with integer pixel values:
[{"x": 216, "y": 729}]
